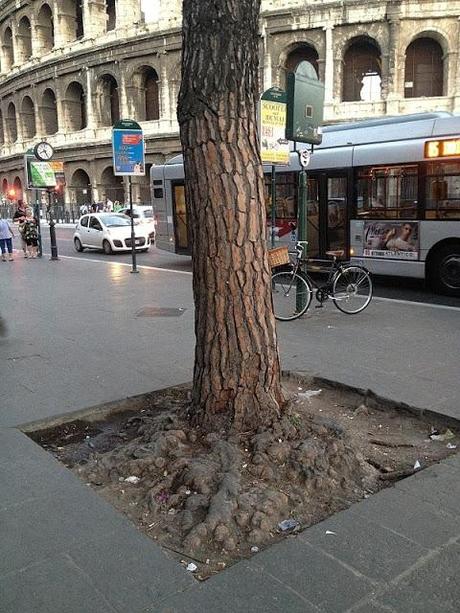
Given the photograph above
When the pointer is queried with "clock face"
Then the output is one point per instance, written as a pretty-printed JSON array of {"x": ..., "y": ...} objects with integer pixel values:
[{"x": 44, "y": 151}]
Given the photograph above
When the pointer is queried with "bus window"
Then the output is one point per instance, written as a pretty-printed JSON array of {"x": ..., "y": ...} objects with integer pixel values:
[
  {"x": 443, "y": 191},
  {"x": 180, "y": 217},
  {"x": 389, "y": 192},
  {"x": 286, "y": 203}
]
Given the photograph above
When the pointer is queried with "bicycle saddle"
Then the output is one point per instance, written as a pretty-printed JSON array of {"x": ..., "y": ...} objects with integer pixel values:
[{"x": 336, "y": 254}]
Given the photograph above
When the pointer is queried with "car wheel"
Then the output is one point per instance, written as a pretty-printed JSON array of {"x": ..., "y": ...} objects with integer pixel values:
[
  {"x": 107, "y": 247},
  {"x": 77, "y": 244}
]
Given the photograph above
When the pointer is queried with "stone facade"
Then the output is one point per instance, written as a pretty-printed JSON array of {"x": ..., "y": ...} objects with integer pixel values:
[{"x": 69, "y": 67}]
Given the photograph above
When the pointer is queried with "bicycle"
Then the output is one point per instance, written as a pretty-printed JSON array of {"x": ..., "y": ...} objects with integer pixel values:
[{"x": 349, "y": 286}]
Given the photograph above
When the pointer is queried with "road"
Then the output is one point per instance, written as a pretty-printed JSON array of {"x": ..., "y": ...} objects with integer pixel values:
[{"x": 393, "y": 288}]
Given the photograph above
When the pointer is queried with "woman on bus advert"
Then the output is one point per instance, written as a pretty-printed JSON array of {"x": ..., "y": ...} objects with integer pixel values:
[{"x": 391, "y": 239}]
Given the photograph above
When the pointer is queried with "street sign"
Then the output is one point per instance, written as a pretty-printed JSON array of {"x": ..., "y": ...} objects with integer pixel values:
[
  {"x": 128, "y": 149},
  {"x": 305, "y": 105},
  {"x": 304, "y": 157},
  {"x": 274, "y": 148}
]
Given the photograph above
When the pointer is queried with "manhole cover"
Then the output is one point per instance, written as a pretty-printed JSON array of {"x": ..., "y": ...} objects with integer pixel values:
[{"x": 159, "y": 312}]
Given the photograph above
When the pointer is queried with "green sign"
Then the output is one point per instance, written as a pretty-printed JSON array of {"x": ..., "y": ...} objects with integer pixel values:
[
  {"x": 305, "y": 110},
  {"x": 41, "y": 175}
]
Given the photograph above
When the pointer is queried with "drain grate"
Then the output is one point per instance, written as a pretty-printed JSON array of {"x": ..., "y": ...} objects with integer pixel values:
[{"x": 160, "y": 312}]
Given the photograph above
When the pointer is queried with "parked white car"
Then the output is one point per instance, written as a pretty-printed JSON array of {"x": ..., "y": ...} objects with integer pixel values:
[
  {"x": 109, "y": 232},
  {"x": 144, "y": 215}
]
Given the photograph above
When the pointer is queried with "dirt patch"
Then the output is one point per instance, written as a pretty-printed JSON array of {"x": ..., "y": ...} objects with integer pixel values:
[{"x": 213, "y": 499}]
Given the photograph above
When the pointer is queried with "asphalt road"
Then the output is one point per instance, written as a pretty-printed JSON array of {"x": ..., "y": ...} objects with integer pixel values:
[{"x": 395, "y": 288}]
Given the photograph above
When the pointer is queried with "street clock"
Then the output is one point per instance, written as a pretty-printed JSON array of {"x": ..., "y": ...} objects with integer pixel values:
[{"x": 43, "y": 151}]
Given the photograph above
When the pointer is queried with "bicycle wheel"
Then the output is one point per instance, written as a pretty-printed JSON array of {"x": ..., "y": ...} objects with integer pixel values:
[
  {"x": 291, "y": 294},
  {"x": 351, "y": 289}
]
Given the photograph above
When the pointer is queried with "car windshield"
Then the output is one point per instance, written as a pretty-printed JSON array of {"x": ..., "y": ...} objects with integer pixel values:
[{"x": 113, "y": 221}]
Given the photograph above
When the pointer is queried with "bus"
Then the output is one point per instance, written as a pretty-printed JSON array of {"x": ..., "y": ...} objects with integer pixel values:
[{"x": 386, "y": 191}]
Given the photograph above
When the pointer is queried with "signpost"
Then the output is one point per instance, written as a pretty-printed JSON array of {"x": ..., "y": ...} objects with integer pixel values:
[
  {"x": 274, "y": 148},
  {"x": 129, "y": 160},
  {"x": 305, "y": 102}
]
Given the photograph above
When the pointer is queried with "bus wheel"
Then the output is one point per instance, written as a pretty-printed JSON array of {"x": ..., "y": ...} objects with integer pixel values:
[{"x": 444, "y": 270}]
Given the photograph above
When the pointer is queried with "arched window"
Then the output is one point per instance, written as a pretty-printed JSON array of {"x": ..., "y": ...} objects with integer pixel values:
[
  {"x": 2, "y": 134},
  {"x": 109, "y": 100},
  {"x": 8, "y": 53},
  {"x": 24, "y": 40},
  {"x": 49, "y": 112},
  {"x": 17, "y": 184},
  {"x": 362, "y": 72},
  {"x": 11, "y": 124},
  {"x": 5, "y": 186},
  {"x": 45, "y": 29},
  {"x": 75, "y": 107},
  {"x": 302, "y": 53},
  {"x": 28, "y": 118},
  {"x": 111, "y": 10},
  {"x": 424, "y": 70},
  {"x": 112, "y": 186},
  {"x": 79, "y": 19},
  {"x": 151, "y": 95},
  {"x": 81, "y": 186}
]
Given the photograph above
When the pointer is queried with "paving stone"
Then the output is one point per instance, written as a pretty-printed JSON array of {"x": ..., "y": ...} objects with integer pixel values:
[
  {"x": 438, "y": 484},
  {"x": 131, "y": 570},
  {"x": 35, "y": 530},
  {"x": 371, "y": 549},
  {"x": 240, "y": 589},
  {"x": 372, "y": 607},
  {"x": 419, "y": 521},
  {"x": 52, "y": 586},
  {"x": 433, "y": 587},
  {"x": 313, "y": 574}
]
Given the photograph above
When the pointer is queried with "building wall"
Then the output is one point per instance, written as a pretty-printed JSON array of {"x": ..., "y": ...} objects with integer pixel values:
[{"x": 30, "y": 67}]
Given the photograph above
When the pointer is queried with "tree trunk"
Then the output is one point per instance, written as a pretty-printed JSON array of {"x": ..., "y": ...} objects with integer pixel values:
[{"x": 236, "y": 384}]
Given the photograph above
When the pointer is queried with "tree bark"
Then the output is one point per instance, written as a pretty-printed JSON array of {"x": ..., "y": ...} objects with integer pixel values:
[{"x": 236, "y": 384}]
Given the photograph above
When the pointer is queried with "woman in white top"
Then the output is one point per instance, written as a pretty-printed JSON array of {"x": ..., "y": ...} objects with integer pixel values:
[{"x": 6, "y": 240}]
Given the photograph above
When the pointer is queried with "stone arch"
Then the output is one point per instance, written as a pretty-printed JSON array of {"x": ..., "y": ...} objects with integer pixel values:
[
  {"x": 5, "y": 185},
  {"x": 24, "y": 39},
  {"x": 362, "y": 70},
  {"x": 75, "y": 107},
  {"x": 45, "y": 28},
  {"x": 109, "y": 100},
  {"x": 296, "y": 53},
  {"x": 111, "y": 14},
  {"x": 11, "y": 124},
  {"x": 2, "y": 133},
  {"x": 111, "y": 186},
  {"x": 28, "y": 123},
  {"x": 424, "y": 69},
  {"x": 80, "y": 186},
  {"x": 7, "y": 47},
  {"x": 49, "y": 114},
  {"x": 146, "y": 93},
  {"x": 71, "y": 20}
]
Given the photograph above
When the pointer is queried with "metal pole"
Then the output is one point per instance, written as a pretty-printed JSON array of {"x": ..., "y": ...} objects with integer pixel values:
[
  {"x": 133, "y": 237},
  {"x": 302, "y": 227},
  {"x": 54, "y": 250},
  {"x": 39, "y": 228},
  {"x": 273, "y": 204}
]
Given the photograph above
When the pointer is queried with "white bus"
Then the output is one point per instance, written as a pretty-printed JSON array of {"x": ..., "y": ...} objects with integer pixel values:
[{"x": 386, "y": 191}]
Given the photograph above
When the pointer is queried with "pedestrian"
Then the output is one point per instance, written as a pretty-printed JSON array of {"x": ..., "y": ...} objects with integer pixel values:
[
  {"x": 6, "y": 240},
  {"x": 19, "y": 218},
  {"x": 30, "y": 234}
]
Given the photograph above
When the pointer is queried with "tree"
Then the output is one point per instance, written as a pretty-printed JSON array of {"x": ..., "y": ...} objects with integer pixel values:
[{"x": 236, "y": 383}]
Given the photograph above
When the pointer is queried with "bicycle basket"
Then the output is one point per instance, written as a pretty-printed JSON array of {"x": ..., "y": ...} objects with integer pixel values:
[{"x": 278, "y": 256}]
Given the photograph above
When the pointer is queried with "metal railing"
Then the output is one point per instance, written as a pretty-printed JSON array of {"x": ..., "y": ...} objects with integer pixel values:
[{"x": 62, "y": 213}]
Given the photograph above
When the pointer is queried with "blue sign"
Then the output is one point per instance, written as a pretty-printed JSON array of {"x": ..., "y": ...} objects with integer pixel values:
[{"x": 128, "y": 149}]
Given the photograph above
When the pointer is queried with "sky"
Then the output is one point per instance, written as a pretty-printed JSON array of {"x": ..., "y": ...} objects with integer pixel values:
[{"x": 150, "y": 8}]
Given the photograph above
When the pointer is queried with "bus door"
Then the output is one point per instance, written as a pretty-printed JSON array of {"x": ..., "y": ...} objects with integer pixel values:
[{"x": 180, "y": 217}]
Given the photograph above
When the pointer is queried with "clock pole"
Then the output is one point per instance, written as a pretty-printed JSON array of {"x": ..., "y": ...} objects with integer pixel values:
[{"x": 44, "y": 152}]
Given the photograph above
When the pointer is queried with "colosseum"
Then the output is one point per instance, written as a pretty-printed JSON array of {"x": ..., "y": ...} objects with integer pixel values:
[{"x": 71, "y": 68}]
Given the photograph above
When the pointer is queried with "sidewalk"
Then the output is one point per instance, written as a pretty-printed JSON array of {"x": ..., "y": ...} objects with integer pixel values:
[{"x": 76, "y": 341}]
